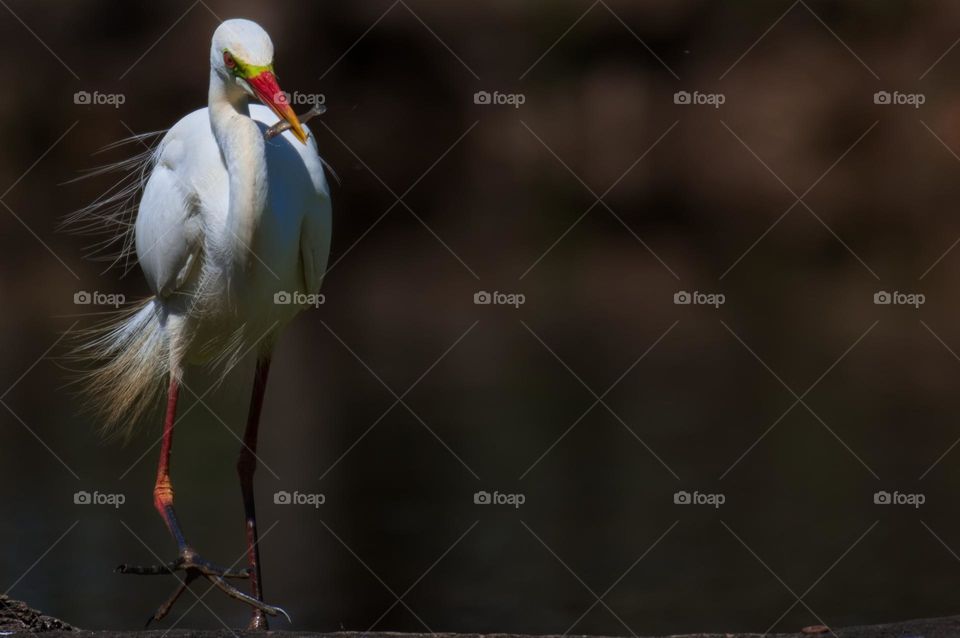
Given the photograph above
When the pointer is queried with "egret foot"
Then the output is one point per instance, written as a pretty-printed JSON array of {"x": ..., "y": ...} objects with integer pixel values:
[{"x": 193, "y": 567}]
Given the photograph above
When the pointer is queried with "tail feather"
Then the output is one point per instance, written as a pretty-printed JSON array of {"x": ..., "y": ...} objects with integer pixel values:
[{"x": 126, "y": 360}]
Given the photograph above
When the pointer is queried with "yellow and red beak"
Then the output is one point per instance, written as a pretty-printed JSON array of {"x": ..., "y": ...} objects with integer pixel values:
[{"x": 265, "y": 85}]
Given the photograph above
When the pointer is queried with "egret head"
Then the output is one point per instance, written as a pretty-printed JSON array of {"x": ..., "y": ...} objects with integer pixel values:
[{"x": 243, "y": 53}]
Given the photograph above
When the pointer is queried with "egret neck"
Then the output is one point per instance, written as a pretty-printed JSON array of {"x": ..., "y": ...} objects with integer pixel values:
[{"x": 242, "y": 148}]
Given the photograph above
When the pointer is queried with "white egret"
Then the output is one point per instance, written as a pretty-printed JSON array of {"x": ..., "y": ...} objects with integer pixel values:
[{"x": 232, "y": 234}]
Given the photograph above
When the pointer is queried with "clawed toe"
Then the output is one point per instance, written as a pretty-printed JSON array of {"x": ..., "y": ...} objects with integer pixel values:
[{"x": 193, "y": 566}]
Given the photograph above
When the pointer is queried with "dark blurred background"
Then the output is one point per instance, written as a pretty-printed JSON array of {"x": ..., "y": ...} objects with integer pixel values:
[{"x": 505, "y": 399}]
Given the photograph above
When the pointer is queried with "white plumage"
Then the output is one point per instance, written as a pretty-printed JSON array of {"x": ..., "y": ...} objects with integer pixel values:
[
  {"x": 231, "y": 233},
  {"x": 226, "y": 221}
]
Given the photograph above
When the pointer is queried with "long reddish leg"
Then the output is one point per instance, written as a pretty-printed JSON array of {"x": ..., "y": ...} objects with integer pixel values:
[
  {"x": 192, "y": 564},
  {"x": 163, "y": 488},
  {"x": 246, "y": 466}
]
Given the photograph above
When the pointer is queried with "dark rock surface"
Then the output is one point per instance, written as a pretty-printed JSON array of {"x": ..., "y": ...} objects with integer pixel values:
[{"x": 18, "y": 618}]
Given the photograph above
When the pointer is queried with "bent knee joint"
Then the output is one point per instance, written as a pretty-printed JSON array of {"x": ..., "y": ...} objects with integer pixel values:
[{"x": 163, "y": 493}]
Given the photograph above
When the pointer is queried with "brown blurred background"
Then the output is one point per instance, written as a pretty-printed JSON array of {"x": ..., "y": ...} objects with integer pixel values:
[{"x": 711, "y": 207}]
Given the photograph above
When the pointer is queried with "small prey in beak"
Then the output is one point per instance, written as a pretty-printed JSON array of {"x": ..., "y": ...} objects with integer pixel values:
[{"x": 283, "y": 125}]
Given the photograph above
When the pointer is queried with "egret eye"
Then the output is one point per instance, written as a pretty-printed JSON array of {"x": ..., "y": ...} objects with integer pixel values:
[{"x": 229, "y": 61}]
